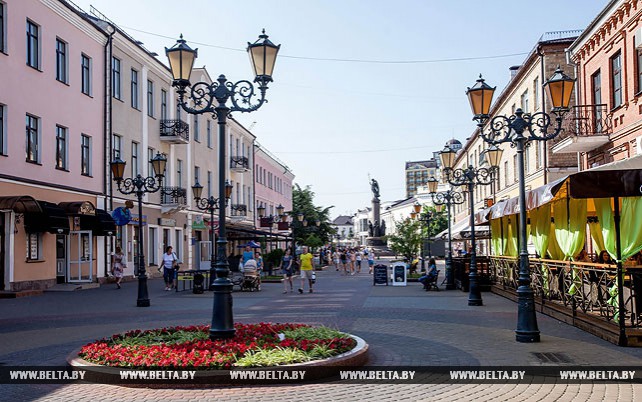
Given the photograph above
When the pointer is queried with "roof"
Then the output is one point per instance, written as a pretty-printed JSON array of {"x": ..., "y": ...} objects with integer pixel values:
[{"x": 342, "y": 220}]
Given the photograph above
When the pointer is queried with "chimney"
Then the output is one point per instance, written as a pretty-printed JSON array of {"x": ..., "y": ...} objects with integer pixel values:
[{"x": 513, "y": 71}]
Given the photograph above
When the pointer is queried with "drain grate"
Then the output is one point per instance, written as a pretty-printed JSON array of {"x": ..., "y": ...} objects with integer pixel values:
[{"x": 552, "y": 357}]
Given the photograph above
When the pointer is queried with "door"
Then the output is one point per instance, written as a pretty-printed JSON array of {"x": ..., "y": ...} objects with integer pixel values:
[
  {"x": 80, "y": 256},
  {"x": 61, "y": 258},
  {"x": 204, "y": 254}
]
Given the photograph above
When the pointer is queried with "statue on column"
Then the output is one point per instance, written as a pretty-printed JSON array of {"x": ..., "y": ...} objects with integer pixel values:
[{"x": 374, "y": 185}]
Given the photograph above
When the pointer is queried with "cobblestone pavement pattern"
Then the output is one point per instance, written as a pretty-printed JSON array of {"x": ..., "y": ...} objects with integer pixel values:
[{"x": 403, "y": 325}]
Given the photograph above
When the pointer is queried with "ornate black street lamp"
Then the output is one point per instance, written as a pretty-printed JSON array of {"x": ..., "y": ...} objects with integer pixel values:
[
  {"x": 470, "y": 177},
  {"x": 271, "y": 220},
  {"x": 449, "y": 198},
  {"x": 140, "y": 185},
  {"x": 210, "y": 205},
  {"x": 424, "y": 219},
  {"x": 540, "y": 126},
  {"x": 212, "y": 98}
]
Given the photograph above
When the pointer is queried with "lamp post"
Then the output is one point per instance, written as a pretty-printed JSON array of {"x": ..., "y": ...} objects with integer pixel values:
[
  {"x": 206, "y": 98},
  {"x": 269, "y": 221},
  {"x": 448, "y": 198},
  {"x": 539, "y": 126},
  {"x": 470, "y": 177},
  {"x": 210, "y": 205},
  {"x": 424, "y": 219},
  {"x": 140, "y": 185}
]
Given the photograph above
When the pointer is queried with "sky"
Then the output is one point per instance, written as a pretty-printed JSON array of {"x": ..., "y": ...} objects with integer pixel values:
[{"x": 360, "y": 86}]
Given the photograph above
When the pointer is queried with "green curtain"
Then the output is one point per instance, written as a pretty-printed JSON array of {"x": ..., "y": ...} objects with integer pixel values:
[
  {"x": 630, "y": 235},
  {"x": 554, "y": 250},
  {"x": 570, "y": 225},
  {"x": 596, "y": 235},
  {"x": 510, "y": 234},
  {"x": 541, "y": 228},
  {"x": 496, "y": 236}
]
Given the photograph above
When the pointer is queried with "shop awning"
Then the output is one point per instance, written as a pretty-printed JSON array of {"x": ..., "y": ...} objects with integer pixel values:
[
  {"x": 251, "y": 234},
  {"x": 20, "y": 204},
  {"x": 78, "y": 208},
  {"x": 101, "y": 224},
  {"x": 52, "y": 219}
]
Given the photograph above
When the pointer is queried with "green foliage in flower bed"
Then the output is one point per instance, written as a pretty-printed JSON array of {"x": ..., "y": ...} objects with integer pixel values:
[{"x": 254, "y": 345}]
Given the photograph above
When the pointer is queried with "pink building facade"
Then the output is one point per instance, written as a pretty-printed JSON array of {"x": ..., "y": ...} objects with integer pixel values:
[
  {"x": 51, "y": 145},
  {"x": 272, "y": 183}
]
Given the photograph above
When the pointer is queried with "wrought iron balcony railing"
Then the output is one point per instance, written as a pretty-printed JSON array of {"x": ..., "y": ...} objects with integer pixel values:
[
  {"x": 239, "y": 163},
  {"x": 585, "y": 121},
  {"x": 239, "y": 209},
  {"x": 174, "y": 131},
  {"x": 173, "y": 196}
]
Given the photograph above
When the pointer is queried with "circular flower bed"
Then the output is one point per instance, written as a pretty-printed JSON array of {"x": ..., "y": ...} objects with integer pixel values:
[{"x": 254, "y": 345}]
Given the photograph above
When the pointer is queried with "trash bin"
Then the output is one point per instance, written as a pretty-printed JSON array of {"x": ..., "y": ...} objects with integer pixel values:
[{"x": 199, "y": 280}]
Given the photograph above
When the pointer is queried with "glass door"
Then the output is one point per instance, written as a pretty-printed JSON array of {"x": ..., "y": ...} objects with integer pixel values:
[
  {"x": 61, "y": 258},
  {"x": 80, "y": 256}
]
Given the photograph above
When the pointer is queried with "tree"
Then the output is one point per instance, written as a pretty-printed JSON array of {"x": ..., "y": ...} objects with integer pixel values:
[
  {"x": 407, "y": 239},
  {"x": 437, "y": 224},
  {"x": 310, "y": 235}
]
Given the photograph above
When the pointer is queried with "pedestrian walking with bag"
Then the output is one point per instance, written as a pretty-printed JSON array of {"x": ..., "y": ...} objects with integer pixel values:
[
  {"x": 170, "y": 264},
  {"x": 118, "y": 265},
  {"x": 286, "y": 270}
]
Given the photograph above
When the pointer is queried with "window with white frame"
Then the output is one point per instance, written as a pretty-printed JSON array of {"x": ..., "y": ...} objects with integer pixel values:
[
  {"x": 178, "y": 246},
  {"x": 135, "y": 161},
  {"x": 209, "y": 183},
  {"x": 163, "y": 114},
  {"x": 61, "y": 147},
  {"x": 62, "y": 67},
  {"x": 34, "y": 246},
  {"x": 197, "y": 135},
  {"x": 197, "y": 174},
  {"x": 85, "y": 68},
  {"x": 33, "y": 44},
  {"x": 117, "y": 146},
  {"x": 32, "y": 134},
  {"x": 150, "y": 98},
  {"x": 3, "y": 131},
  {"x": 179, "y": 173},
  {"x": 209, "y": 133},
  {"x": 524, "y": 101},
  {"x": 85, "y": 155},
  {"x": 115, "y": 77},
  {"x": 134, "y": 89},
  {"x": 616, "y": 80}
]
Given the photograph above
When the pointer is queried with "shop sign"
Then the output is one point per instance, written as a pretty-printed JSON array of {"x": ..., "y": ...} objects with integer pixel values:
[
  {"x": 167, "y": 222},
  {"x": 135, "y": 219}
]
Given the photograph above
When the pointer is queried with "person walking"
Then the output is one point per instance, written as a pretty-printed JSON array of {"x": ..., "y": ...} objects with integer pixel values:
[
  {"x": 286, "y": 270},
  {"x": 352, "y": 258},
  {"x": 337, "y": 257},
  {"x": 118, "y": 265},
  {"x": 169, "y": 262},
  {"x": 306, "y": 262},
  {"x": 371, "y": 260},
  {"x": 358, "y": 259}
]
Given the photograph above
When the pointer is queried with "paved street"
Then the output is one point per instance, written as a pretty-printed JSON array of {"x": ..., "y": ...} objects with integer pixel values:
[{"x": 403, "y": 325}]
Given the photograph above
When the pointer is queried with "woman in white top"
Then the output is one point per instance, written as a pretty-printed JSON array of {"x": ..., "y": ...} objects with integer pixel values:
[{"x": 169, "y": 259}]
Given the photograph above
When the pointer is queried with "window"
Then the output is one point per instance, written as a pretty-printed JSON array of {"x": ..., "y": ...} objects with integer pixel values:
[
  {"x": 61, "y": 61},
  {"x": 3, "y": 139},
  {"x": 209, "y": 133},
  {"x": 150, "y": 156},
  {"x": 536, "y": 93},
  {"x": 32, "y": 139},
  {"x": 61, "y": 148},
  {"x": 209, "y": 183},
  {"x": 150, "y": 98},
  {"x": 115, "y": 77},
  {"x": 638, "y": 61},
  {"x": 526, "y": 156},
  {"x": 197, "y": 174},
  {"x": 538, "y": 155},
  {"x": 515, "y": 168},
  {"x": 512, "y": 109},
  {"x": 197, "y": 136},
  {"x": 117, "y": 143},
  {"x": 33, "y": 43},
  {"x": 85, "y": 155},
  {"x": 616, "y": 80},
  {"x": 179, "y": 173},
  {"x": 506, "y": 174},
  {"x": 163, "y": 115},
  {"x": 134, "y": 88},
  {"x": 2, "y": 28},
  {"x": 85, "y": 64},
  {"x": 135, "y": 162},
  {"x": 524, "y": 101},
  {"x": 179, "y": 243},
  {"x": 33, "y": 246}
]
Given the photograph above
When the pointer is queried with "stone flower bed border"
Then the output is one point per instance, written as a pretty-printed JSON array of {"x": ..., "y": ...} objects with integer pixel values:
[{"x": 323, "y": 368}]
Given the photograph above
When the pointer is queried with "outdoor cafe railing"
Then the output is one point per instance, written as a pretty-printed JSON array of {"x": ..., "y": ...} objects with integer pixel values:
[{"x": 586, "y": 287}]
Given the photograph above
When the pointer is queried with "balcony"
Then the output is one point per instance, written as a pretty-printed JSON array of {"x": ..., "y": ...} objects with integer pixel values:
[
  {"x": 173, "y": 199},
  {"x": 586, "y": 127},
  {"x": 239, "y": 210},
  {"x": 174, "y": 131},
  {"x": 239, "y": 164}
]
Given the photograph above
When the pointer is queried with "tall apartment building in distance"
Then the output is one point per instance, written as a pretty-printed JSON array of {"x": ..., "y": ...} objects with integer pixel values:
[{"x": 418, "y": 173}]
